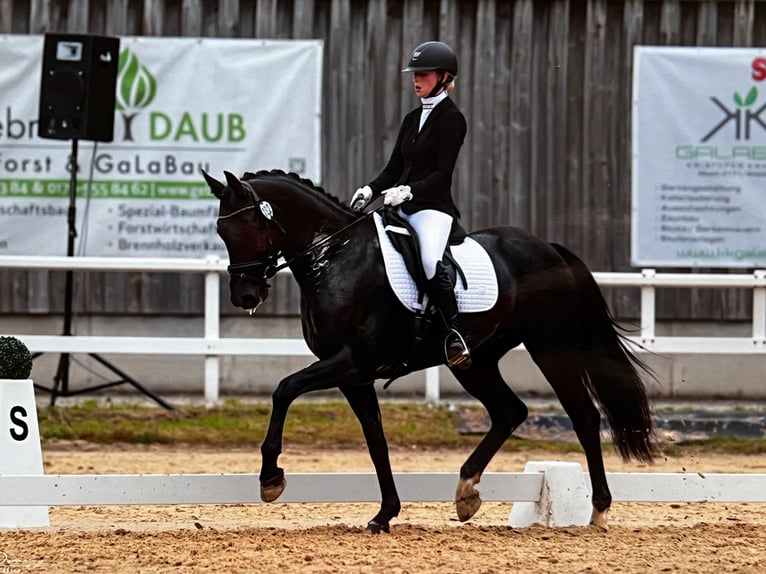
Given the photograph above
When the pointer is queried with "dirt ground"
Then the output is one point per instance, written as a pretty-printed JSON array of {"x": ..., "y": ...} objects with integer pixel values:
[{"x": 426, "y": 538}]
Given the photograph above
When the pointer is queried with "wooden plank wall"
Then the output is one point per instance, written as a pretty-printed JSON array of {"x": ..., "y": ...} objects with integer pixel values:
[{"x": 545, "y": 86}]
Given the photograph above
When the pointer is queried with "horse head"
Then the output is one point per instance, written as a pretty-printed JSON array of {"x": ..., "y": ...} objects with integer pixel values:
[{"x": 252, "y": 236}]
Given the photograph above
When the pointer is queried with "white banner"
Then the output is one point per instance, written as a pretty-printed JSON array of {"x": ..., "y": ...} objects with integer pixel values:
[
  {"x": 183, "y": 104},
  {"x": 699, "y": 157}
]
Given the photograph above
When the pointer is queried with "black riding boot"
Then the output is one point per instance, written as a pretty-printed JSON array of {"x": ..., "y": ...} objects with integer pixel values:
[{"x": 441, "y": 291}]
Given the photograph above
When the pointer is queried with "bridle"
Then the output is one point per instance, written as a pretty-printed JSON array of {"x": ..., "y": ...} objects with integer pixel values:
[
  {"x": 258, "y": 271},
  {"x": 261, "y": 270}
]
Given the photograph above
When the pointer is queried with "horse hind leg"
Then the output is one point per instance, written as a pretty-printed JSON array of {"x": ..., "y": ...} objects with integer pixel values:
[
  {"x": 506, "y": 412},
  {"x": 562, "y": 371}
]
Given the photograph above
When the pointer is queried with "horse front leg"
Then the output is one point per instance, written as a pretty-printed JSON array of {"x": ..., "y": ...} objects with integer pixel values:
[
  {"x": 364, "y": 403},
  {"x": 321, "y": 375}
]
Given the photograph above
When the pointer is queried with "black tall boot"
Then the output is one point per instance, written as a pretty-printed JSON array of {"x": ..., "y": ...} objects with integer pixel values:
[{"x": 441, "y": 291}]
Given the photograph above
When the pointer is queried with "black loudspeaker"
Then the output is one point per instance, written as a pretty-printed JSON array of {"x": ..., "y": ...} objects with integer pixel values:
[{"x": 77, "y": 89}]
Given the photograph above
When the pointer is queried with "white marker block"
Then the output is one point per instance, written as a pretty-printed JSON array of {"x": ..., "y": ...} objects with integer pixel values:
[
  {"x": 20, "y": 448},
  {"x": 565, "y": 499}
]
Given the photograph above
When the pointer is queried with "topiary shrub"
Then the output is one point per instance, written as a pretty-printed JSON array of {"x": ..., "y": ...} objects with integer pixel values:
[{"x": 15, "y": 359}]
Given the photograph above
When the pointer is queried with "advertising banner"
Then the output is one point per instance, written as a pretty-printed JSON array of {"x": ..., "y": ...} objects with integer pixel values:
[
  {"x": 699, "y": 157},
  {"x": 182, "y": 105}
]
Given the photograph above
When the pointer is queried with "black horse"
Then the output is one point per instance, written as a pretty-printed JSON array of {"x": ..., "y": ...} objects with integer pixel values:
[{"x": 548, "y": 300}]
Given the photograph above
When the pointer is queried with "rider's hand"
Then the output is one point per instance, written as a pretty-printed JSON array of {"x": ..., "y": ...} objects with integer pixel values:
[
  {"x": 397, "y": 195},
  {"x": 360, "y": 198}
]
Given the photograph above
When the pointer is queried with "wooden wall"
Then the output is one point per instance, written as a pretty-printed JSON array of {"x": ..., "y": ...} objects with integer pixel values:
[{"x": 545, "y": 86}]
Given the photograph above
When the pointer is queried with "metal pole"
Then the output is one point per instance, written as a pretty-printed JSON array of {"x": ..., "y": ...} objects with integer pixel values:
[{"x": 61, "y": 380}]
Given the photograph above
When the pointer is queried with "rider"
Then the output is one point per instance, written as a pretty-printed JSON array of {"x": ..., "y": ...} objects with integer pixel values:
[{"x": 418, "y": 178}]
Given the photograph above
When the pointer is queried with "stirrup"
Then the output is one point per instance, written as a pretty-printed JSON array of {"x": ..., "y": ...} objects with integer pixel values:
[{"x": 460, "y": 360}]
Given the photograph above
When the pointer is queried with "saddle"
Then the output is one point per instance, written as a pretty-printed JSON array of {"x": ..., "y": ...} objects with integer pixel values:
[
  {"x": 404, "y": 238},
  {"x": 476, "y": 289}
]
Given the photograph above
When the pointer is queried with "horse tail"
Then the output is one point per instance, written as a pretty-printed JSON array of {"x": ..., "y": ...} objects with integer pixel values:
[{"x": 612, "y": 371}]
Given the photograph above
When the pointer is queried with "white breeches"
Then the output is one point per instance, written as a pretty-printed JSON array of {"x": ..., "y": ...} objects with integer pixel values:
[{"x": 433, "y": 228}]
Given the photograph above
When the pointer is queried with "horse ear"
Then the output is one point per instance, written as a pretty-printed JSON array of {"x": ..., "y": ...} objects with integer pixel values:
[
  {"x": 215, "y": 186},
  {"x": 233, "y": 181}
]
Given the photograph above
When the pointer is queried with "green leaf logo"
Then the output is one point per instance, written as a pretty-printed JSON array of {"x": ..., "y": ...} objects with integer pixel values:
[
  {"x": 752, "y": 95},
  {"x": 136, "y": 87}
]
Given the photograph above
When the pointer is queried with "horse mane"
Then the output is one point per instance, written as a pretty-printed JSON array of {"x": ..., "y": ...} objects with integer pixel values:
[{"x": 305, "y": 182}]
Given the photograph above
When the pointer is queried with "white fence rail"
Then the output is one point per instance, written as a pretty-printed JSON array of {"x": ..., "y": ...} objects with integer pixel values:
[
  {"x": 54, "y": 490},
  {"x": 212, "y": 346},
  {"x": 556, "y": 494},
  {"x": 129, "y": 489}
]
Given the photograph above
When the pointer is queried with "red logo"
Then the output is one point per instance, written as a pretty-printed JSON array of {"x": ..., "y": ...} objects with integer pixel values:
[{"x": 759, "y": 69}]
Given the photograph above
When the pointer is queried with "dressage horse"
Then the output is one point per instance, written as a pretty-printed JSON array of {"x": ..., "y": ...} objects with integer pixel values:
[{"x": 359, "y": 331}]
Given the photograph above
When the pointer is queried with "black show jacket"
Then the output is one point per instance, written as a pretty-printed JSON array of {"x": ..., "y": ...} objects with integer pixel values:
[{"x": 425, "y": 160}]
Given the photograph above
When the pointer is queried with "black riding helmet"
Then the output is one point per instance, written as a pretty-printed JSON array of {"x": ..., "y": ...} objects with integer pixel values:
[{"x": 433, "y": 56}]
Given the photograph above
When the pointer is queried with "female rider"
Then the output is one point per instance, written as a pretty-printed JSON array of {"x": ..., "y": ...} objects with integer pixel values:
[{"x": 418, "y": 178}]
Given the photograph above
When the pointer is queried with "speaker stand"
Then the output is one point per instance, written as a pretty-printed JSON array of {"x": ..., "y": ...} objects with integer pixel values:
[{"x": 61, "y": 380}]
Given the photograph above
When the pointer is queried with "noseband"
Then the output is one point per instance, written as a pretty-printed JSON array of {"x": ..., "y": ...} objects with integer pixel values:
[{"x": 257, "y": 271}]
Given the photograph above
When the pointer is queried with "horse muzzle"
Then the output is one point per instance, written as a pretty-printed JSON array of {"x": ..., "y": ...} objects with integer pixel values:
[
  {"x": 248, "y": 284},
  {"x": 248, "y": 295}
]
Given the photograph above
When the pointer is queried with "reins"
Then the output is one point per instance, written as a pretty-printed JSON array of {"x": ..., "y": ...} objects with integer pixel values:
[{"x": 324, "y": 240}]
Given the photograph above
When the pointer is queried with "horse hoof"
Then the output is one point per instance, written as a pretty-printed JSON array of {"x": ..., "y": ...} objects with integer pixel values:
[
  {"x": 376, "y": 528},
  {"x": 270, "y": 492},
  {"x": 467, "y": 498},
  {"x": 598, "y": 520}
]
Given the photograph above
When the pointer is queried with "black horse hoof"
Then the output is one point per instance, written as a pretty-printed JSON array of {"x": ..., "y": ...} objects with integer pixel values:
[
  {"x": 376, "y": 528},
  {"x": 272, "y": 488}
]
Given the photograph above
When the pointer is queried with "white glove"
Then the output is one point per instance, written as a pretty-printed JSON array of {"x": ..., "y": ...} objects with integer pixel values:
[
  {"x": 397, "y": 195},
  {"x": 361, "y": 197}
]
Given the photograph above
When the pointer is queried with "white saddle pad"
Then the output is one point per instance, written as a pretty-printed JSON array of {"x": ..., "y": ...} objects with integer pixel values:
[{"x": 481, "y": 294}]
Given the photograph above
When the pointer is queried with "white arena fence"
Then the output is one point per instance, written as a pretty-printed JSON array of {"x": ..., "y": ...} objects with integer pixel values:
[
  {"x": 556, "y": 494},
  {"x": 210, "y": 344},
  {"x": 158, "y": 489}
]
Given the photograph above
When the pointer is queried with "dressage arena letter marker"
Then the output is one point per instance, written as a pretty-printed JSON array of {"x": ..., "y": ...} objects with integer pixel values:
[{"x": 20, "y": 447}]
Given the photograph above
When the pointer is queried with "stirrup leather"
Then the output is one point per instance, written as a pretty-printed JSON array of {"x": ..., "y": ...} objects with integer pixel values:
[{"x": 461, "y": 360}]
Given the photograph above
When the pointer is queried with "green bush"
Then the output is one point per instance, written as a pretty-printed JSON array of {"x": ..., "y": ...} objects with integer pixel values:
[{"x": 15, "y": 359}]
